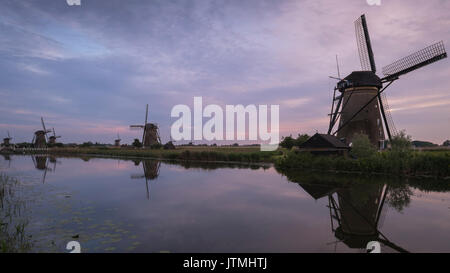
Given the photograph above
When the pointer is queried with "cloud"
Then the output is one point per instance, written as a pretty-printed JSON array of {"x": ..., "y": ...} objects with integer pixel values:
[
  {"x": 34, "y": 69},
  {"x": 293, "y": 103},
  {"x": 92, "y": 69}
]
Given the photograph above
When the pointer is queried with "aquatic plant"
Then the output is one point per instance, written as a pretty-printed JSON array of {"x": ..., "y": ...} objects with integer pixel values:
[{"x": 13, "y": 237}]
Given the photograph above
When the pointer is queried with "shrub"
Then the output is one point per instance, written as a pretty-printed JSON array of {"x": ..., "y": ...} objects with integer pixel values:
[{"x": 361, "y": 147}]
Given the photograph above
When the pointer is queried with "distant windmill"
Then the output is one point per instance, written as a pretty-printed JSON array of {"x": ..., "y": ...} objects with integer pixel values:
[
  {"x": 150, "y": 135},
  {"x": 7, "y": 140},
  {"x": 117, "y": 141},
  {"x": 52, "y": 139},
  {"x": 40, "y": 136},
  {"x": 362, "y": 103}
]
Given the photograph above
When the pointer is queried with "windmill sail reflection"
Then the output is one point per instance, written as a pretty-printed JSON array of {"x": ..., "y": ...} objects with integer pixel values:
[{"x": 151, "y": 172}]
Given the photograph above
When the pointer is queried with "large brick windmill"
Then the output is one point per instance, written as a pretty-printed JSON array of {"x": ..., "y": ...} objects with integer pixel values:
[
  {"x": 361, "y": 107},
  {"x": 150, "y": 135}
]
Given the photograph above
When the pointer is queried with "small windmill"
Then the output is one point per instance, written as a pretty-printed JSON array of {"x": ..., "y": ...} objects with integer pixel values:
[
  {"x": 117, "y": 141},
  {"x": 40, "y": 136},
  {"x": 7, "y": 140},
  {"x": 150, "y": 135},
  {"x": 361, "y": 102},
  {"x": 52, "y": 139}
]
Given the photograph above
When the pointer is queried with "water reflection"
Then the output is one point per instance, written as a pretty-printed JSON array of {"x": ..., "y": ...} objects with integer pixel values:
[
  {"x": 151, "y": 172},
  {"x": 356, "y": 208},
  {"x": 211, "y": 207},
  {"x": 42, "y": 163}
]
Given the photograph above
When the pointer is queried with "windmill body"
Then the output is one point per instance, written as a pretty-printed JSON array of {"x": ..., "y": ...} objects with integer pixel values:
[
  {"x": 361, "y": 106},
  {"x": 117, "y": 141},
  {"x": 40, "y": 140},
  {"x": 7, "y": 141},
  {"x": 40, "y": 136},
  {"x": 151, "y": 135},
  {"x": 357, "y": 90}
]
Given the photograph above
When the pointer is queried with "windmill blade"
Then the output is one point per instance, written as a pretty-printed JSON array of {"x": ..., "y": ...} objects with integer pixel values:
[
  {"x": 387, "y": 109},
  {"x": 43, "y": 124},
  {"x": 146, "y": 114},
  {"x": 157, "y": 133},
  {"x": 45, "y": 174},
  {"x": 421, "y": 58},
  {"x": 9, "y": 135},
  {"x": 54, "y": 134},
  {"x": 145, "y": 124},
  {"x": 45, "y": 130},
  {"x": 364, "y": 45},
  {"x": 335, "y": 114}
]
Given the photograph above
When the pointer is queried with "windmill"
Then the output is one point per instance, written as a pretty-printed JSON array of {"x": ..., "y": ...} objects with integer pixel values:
[
  {"x": 361, "y": 106},
  {"x": 150, "y": 135},
  {"x": 117, "y": 141},
  {"x": 6, "y": 140},
  {"x": 40, "y": 136},
  {"x": 52, "y": 139}
]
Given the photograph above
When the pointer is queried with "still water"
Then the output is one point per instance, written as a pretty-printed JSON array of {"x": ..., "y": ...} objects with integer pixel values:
[{"x": 111, "y": 205}]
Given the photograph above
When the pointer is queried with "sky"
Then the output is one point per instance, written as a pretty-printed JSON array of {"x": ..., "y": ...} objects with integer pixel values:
[{"x": 89, "y": 70}]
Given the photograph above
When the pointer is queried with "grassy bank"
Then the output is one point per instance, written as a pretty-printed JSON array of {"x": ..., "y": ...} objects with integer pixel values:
[
  {"x": 435, "y": 164},
  {"x": 225, "y": 154},
  {"x": 410, "y": 163}
]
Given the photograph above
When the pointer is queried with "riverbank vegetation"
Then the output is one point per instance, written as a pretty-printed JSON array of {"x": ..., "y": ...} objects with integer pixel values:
[
  {"x": 194, "y": 153},
  {"x": 400, "y": 160}
]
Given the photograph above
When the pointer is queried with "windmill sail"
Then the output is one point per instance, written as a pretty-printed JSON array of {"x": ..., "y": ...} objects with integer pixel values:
[
  {"x": 387, "y": 112},
  {"x": 364, "y": 46},
  {"x": 423, "y": 57}
]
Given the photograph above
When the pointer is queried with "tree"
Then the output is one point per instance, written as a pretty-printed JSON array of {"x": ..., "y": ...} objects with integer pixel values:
[
  {"x": 87, "y": 144},
  {"x": 136, "y": 143},
  {"x": 446, "y": 143},
  {"x": 301, "y": 139},
  {"x": 361, "y": 146},
  {"x": 287, "y": 142},
  {"x": 401, "y": 143},
  {"x": 169, "y": 146}
]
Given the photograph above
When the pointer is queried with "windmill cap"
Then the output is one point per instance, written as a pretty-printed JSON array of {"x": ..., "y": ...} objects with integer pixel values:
[{"x": 359, "y": 79}]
